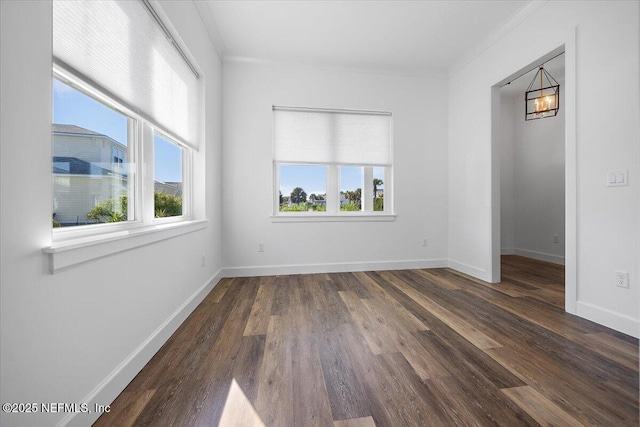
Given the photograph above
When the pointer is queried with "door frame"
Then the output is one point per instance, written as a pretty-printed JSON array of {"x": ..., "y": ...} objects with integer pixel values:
[{"x": 568, "y": 46}]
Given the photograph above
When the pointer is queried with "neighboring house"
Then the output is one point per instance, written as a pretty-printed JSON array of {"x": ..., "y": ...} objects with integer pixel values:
[
  {"x": 317, "y": 199},
  {"x": 88, "y": 168},
  {"x": 172, "y": 188}
]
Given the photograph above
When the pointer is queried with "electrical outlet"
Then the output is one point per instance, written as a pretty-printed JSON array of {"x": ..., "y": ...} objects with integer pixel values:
[
  {"x": 556, "y": 239},
  {"x": 204, "y": 260},
  {"x": 260, "y": 247},
  {"x": 622, "y": 279},
  {"x": 425, "y": 243}
]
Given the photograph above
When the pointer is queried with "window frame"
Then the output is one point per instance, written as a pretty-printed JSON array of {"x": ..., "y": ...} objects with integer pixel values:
[
  {"x": 140, "y": 162},
  {"x": 187, "y": 176},
  {"x": 333, "y": 212},
  {"x": 133, "y": 141}
]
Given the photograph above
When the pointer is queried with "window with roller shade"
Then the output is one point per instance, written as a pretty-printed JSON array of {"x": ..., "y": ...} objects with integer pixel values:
[
  {"x": 332, "y": 162},
  {"x": 122, "y": 60}
]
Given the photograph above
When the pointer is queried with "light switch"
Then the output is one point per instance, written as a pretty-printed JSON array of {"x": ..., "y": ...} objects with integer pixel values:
[{"x": 617, "y": 178}]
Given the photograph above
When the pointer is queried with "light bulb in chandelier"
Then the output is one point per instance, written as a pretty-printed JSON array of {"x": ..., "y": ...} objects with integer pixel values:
[{"x": 542, "y": 98}]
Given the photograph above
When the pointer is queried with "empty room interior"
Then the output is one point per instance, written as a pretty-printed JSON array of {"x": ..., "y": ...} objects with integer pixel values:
[{"x": 319, "y": 213}]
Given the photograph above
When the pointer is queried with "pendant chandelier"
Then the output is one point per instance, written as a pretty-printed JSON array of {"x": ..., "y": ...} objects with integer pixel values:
[{"x": 542, "y": 98}]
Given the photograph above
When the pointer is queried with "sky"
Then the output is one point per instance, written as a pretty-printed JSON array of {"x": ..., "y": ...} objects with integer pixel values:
[{"x": 71, "y": 107}]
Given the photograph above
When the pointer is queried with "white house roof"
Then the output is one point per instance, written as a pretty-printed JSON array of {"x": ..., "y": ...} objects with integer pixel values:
[{"x": 75, "y": 130}]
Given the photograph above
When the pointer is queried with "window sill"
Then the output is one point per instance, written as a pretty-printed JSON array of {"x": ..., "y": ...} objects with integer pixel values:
[
  {"x": 306, "y": 217},
  {"x": 68, "y": 253}
]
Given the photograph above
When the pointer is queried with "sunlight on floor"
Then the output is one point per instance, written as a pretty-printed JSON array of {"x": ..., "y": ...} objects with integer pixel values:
[{"x": 238, "y": 411}]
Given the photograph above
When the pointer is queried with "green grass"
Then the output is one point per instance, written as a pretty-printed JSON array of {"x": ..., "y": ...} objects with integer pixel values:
[{"x": 303, "y": 208}]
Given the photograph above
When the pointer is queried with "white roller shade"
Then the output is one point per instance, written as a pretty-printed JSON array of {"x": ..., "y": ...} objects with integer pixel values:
[
  {"x": 331, "y": 137},
  {"x": 118, "y": 46}
]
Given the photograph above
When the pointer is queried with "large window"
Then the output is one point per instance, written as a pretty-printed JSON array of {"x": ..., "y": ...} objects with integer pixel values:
[
  {"x": 332, "y": 162},
  {"x": 125, "y": 117},
  {"x": 95, "y": 141}
]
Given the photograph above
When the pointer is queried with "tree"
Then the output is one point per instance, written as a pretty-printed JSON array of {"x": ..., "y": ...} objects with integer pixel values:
[
  {"x": 115, "y": 210},
  {"x": 350, "y": 207},
  {"x": 110, "y": 210},
  {"x": 354, "y": 196},
  {"x": 376, "y": 183},
  {"x": 298, "y": 196},
  {"x": 167, "y": 204},
  {"x": 280, "y": 196},
  {"x": 378, "y": 203}
]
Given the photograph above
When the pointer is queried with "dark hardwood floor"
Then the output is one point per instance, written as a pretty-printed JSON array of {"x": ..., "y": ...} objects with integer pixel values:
[{"x": 394, "y": 348}]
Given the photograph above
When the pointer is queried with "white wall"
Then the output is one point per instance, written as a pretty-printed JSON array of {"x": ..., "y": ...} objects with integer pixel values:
[
  {"x": 507, "y": 184},
  {"x": 532, "y": 194},
  {"x": 419, "y": 107},
  {"x": 68, "y": 337},
  {"x": 606, "y": 133},
  {"x": 539, "y": 186}
]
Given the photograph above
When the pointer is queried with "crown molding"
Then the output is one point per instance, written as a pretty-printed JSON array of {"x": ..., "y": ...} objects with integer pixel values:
[
  {"x": 211, "y": 26},
  {"x": 430, "y": 74}
]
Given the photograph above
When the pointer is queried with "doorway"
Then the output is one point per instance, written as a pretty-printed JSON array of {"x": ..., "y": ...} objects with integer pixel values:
[
  {"x": 532, "y": 188},
  {"x": 534, "y": 242}
]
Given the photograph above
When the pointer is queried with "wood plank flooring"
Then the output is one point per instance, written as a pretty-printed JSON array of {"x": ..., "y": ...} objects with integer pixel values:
[{"x": 394, "y": 348}]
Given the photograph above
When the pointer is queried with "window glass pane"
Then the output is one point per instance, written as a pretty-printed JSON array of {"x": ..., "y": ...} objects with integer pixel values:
[
  {"x": 352, "y": 185},
  {"x": 351, "y": 188},
  {"x": 303, "y": 188},
  {"x": 378, "y": 189},
  {"x": 90, "y": 151},
  {"x": 167, "y": 157}
]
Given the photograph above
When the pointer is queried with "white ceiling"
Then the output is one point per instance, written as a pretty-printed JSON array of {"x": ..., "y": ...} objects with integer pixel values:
[{"x": 415, "y": 37}]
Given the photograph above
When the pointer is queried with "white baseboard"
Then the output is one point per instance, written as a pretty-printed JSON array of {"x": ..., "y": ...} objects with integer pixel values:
[
  {"x": 555, "y": 259},
  {"x": 507, "y": 251},
  {"x": 476, "y": 272},
  {"x": 272, "y": 270},
  {"x": 611, "y": 319},
  {"x": 121, "y": 376}
]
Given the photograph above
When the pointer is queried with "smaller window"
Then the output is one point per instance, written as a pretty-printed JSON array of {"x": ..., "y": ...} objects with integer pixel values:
[
  {"x": 118, "y": 155},
  {"x": 303, "y": 188},
  {"x": 349, "y": 151},
  {"x": 168, "y": 177}
]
